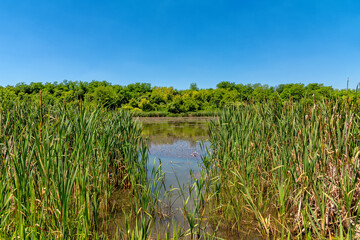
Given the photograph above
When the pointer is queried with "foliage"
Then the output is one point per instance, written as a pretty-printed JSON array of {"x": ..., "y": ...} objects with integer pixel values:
[
  {"x": 288, "y": 169},
  {"x": 141, "y": 96},
  {"x": 193, "y": 86},
  {"x": 61, "y": 163}
]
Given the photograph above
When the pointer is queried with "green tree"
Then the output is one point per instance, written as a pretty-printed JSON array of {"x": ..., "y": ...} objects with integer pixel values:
[
  {"x": 226, "y": 85},
  {"x": 193, "y": 86},
  {"x": 145, "y": 105},
  {"x": 105, "y": 95}
]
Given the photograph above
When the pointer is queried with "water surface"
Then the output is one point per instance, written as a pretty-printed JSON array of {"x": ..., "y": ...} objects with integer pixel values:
[{"x": 177, "y": 143}]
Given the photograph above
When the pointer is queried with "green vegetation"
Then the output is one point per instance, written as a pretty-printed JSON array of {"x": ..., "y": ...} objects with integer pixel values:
[
  {"x": 60, "y": 165},
  {"x": 289, "y": 171},
  {"x": 283, "y": 162},
  {"x": 76, "y": 172},
  {"x": 144, "y": 100}
]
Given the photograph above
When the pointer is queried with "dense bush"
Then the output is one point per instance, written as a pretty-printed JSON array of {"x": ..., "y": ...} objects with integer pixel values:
[{"x": 141, "y": 97}]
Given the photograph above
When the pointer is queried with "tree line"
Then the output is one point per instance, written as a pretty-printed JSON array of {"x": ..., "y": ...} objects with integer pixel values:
[{"x": 143, "y": 98}]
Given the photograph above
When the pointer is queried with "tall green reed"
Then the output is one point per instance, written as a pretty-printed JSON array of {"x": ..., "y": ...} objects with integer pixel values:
[
  {"x": 287, "y": 169},
  {"x": 59, "y": 165}
]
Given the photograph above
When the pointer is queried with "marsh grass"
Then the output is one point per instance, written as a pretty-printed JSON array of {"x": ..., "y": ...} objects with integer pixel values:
[
  {"x": 75, "y": 172},
  {"x": 286, "y": 170},
  {"x": 60, "y": 165}
]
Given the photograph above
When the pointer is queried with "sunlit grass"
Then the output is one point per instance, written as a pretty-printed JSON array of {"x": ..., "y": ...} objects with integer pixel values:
[
  {"x": 283, "y": 171},
  {"x": 287, "y": 170},
  {"x": 59, "y": 167}
]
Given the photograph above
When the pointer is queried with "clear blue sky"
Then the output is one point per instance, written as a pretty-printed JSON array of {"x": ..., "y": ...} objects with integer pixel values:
[{"x": 175, "y": 43}]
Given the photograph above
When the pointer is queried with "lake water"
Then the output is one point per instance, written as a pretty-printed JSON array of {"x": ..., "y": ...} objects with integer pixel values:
[{"x": 178, "y": 143}]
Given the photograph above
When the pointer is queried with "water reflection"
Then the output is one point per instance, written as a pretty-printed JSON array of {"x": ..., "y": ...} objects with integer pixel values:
[
  {"x": 179, "y": 146},
  {"x": 171, "y": 131}
]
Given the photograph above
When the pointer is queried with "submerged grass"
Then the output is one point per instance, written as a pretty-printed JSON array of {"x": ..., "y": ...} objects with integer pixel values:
[{"x": 286, "y": 170}]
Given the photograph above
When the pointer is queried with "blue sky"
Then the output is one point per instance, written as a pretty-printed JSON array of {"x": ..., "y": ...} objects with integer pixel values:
[{"x": 175, "y": 43}]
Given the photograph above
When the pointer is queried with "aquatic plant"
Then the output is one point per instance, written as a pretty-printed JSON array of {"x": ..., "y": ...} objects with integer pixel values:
[
  {"x": 287, "y": 170},
  {"x": 59, "y": 166}
]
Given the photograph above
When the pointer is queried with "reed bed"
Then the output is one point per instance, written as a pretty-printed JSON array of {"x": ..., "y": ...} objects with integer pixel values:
[
  {"x": 282, "y": 170},
  {"x": 59, "y": 166},
  {"x": 287, "y": 171}
]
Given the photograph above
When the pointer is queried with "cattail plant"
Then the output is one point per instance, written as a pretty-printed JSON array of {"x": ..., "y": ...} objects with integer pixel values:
[
  {"x": 59, "y": 165},
  {"x": 287, "y": 170}
]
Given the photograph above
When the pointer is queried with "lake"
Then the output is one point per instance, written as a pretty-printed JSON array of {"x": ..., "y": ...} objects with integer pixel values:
[{"x": 178, "y": 143}]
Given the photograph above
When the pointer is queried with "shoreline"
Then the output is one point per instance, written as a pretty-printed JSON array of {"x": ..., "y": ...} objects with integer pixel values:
[{"x": 173, "y": 119}]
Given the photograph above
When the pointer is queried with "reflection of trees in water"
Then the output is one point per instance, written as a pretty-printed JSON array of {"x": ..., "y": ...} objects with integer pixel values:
[
  {"x": 171, "y": 141},
  {"x": 165, "y": 132}
]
